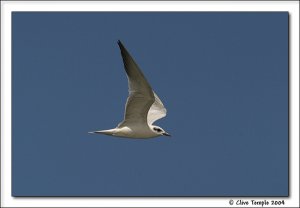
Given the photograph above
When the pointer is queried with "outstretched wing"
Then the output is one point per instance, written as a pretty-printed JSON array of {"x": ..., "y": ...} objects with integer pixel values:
[
  {"x": 157, "y": 110},
  {"x": 141, "y": 96}
]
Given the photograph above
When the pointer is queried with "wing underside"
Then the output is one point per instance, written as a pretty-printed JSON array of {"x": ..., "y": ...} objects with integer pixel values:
[{"x": 156, "y": 111}]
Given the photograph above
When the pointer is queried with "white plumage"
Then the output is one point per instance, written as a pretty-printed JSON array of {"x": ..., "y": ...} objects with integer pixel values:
[{"x": 143, "y": 106}]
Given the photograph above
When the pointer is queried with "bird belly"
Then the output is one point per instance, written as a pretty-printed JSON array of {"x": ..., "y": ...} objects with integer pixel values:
[{"x": 135, "y": 132}]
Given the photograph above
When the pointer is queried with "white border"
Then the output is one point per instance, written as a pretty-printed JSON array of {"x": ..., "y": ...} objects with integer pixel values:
[{"x": 8, "y": 7}]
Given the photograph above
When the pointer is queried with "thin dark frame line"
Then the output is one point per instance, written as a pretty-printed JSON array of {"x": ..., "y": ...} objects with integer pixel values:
[
  {"x": 182, "y": 196},
  {"x": 164, "y": 0}
]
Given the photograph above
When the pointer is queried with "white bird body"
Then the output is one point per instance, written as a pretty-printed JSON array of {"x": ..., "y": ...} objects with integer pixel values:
[
  {"x": 143, "y": 106},
  {"x": 135, "y": 131}
]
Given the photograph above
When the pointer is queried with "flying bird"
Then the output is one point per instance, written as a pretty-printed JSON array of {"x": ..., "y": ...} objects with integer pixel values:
[{"x": 143, "y": 106}]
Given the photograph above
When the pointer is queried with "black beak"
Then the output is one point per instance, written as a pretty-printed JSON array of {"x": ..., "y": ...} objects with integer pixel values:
[{"x": 166, "y": 134}]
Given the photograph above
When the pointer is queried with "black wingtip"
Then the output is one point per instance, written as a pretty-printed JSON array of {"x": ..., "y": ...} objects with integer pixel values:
[
  {"x": 122, "y": 48},
  {"x": 120, "y": 44}
]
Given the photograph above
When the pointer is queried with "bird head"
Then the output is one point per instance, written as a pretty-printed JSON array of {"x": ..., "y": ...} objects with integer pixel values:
[{"x": 158, "y": 130}]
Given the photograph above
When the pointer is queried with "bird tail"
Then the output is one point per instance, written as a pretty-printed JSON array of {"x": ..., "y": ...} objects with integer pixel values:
[{"x": 107, "y": 132}]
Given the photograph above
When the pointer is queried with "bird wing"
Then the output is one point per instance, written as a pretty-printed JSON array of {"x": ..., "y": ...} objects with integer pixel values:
[
  {"x": 157, "y": 110},
  {"x": 141, "y": 96}
]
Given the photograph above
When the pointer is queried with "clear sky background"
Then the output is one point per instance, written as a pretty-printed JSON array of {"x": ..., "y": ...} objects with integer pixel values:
[{"x": 223, "y": 78}]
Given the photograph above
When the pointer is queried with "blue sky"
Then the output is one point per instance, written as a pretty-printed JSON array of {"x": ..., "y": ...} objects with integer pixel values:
[{"x": 223, "y": 78}]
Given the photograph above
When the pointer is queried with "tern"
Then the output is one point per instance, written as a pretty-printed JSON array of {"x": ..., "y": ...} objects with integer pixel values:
[{"x": 143, "y": 106}]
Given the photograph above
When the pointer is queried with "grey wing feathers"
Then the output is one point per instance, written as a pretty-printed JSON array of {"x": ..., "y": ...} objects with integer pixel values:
[
  {"x": 136, "y": 110},
  {"x": 141, "y": 96},
  {"x": 136, "y": 79}
]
